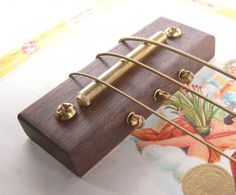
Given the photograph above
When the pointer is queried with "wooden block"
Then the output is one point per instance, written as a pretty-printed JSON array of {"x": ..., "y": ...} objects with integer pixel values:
[{"x": 83, "y": 141}]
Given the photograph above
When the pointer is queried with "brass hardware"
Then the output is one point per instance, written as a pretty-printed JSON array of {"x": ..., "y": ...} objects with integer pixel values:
[
  {"x": 208, "y": 179},
  {"x": 180, "y": 52},
  {"x": 94, "y": 89},
  {"x": 156, "y": 113},
  {"x": 65, "y": 111},
  {"x": 173, "y": 32},
  {"x": 135, "y": 120},
  {"x": 167, "y": 78},
  {"x": 161, "y": 96},
  {"x": 185, "y": 76}
]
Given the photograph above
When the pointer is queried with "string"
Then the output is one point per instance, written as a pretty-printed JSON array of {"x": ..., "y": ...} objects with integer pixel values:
[
  {"x": 180, "y": 52},
  {"x": 166, "y": 77},
  {"x": 155, "y": 113}
]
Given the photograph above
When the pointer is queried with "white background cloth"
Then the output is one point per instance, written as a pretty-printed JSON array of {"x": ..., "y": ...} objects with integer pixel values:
[{"x": 27, "y": 169}]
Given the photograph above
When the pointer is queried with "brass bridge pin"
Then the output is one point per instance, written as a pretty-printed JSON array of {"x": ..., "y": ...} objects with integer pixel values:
[
  {"x": 161, "y": 96},
  {"x": 65, "y": 111},
  {"x": 185, "y": 76},
  {"x": 135, "y": 120}
]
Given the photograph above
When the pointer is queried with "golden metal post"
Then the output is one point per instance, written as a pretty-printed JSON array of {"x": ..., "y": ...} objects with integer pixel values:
[{"x": 91, "y": 91}]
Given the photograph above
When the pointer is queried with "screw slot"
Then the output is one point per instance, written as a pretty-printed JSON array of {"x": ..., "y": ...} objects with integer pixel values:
[
  {"x": 173, "y": 32},
  {"x": 65, "y": 111}
]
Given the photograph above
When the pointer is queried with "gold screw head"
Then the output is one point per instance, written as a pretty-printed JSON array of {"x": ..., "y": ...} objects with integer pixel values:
[
  {"x": 161, "y": 96},
  {"x": 173, "y": 32},
  {"x": 135, "y": 120},
  {"x": 185, "y": 76},
  {"x": 65, "y": 111}
]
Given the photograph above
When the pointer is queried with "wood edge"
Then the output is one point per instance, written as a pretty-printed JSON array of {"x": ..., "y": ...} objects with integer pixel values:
[{"x": 50, "y": 147}]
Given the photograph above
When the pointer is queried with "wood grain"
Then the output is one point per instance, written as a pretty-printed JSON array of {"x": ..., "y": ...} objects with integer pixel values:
[{"x": 83, "y": 141}]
